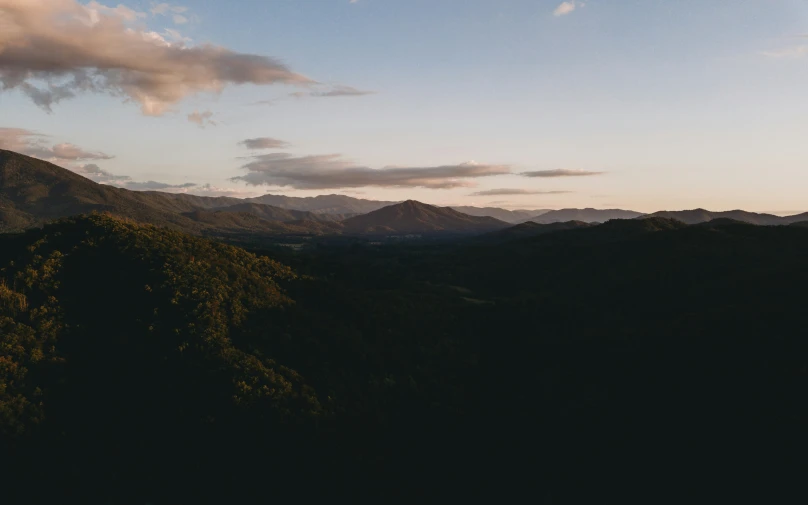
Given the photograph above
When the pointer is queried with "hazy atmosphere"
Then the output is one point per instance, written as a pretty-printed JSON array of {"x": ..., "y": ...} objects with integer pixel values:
[{"x": 643, "y": 105}]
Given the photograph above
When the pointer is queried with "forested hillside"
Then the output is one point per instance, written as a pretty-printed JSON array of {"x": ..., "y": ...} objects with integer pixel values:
[{"x": 139, "y": 362}]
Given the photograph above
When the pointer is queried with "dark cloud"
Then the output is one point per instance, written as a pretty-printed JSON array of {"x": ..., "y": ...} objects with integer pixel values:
[
  {"x": 502, "y": 192},
  {"x": 561, "y": 172},
  {"x": 37, "y": 145},
  {"x": 54, "y": 49},
  {"x": 331, "y": 171},
  {"x": 264, "y": 143}
]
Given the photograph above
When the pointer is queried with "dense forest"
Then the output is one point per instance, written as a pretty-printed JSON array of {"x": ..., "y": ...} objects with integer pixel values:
[{"x": 641, "y": 360}]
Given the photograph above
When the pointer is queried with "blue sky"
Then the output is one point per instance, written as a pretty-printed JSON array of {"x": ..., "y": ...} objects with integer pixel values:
[{"x": 636, "y": 104}]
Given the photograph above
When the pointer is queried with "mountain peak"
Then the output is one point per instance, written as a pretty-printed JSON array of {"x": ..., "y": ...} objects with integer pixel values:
[{"x": 414, "y": 217}]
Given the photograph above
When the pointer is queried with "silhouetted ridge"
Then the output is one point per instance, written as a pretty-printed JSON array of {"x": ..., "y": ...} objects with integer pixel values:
[
  {"x": 412, "y": 217},
  {"x": 587, "y": 215},
  {"x": 531, "y": 229},
  {"x": 697, "y": 216}
]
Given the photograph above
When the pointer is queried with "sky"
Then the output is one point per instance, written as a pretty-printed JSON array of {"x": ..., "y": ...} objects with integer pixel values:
[{"x": 636, "y": 104}]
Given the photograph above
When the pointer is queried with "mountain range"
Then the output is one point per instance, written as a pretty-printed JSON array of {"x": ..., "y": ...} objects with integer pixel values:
[
  {"x": 509, "y": 216},
  {"x": 698, "y": 216},
  {"x": 586, "y": 215},
  {"x": 34, "y": 192},
  {"x": 413, "y": 217}
]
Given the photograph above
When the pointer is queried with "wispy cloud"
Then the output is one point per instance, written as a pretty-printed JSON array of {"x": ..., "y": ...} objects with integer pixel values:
[
  {"x": 156, "y": 186},
  {"x": 264, "y": 143},
  {"x": 792, "y": 52},
  {"x": 342, "y": 91},
  {"x": 98, "y": 174},
  {"x": 121, "y": 11},
  {"x": 100, "y": 50},
  {"x": 210, "y": 190},
  {"x": 561, "y": 172},
  {"x": 332, "y": 171},
  {"x": 567, "y": 7},
  {"x": 188, "y": 188},
  {"x": 175, "y": 12},
  {"x": 202, "y": 119},
  {"x": 39, "y": 146},
  {"x": 503, "y": 192},
  {"x": 332, "y": 91}
]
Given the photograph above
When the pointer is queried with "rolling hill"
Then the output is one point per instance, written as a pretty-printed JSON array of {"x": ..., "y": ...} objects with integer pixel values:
[
  {"x": 413, "y": 217},
  {"x": 33, "y": 192}
]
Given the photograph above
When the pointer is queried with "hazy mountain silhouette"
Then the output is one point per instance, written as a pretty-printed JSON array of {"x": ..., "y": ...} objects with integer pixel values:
[
  {"x": 509, "y": 216},
  {"x": 697, "y": 216},
  {"x": 530, "y": 229},
  {"x": 33, "y": 192},
  {"x": 587, "y": 215},
  {"x": 321, "y": 204},
  {"x": 413, "y": 217},
  {"x": 272, "y": 213}
]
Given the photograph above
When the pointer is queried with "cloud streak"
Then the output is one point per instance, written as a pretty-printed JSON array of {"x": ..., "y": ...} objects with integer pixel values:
[
  {"x": 331, "y": 171},
  {"x": 156, "y": 186},
  {"x": 561, "y": 172},
  {"x": 98, "y": 174},
  {"x": 37, "y": 145},
  {"x": 787, "y": 53},
  {"x": 264, "y": 143},
  {"x": 52, "y": 50},
  {"x": 334, "y": 91},
  {"x": 503, "y": 192}
]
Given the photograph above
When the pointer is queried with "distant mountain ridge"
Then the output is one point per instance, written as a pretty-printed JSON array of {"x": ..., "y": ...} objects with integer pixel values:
[
  {"x": 587, "y": 215},
  {"x": 509, "y": 216},
  {"x": 697, "y": 216},
  {"x": 413, "y": 217},
  {"x": 33, "y": 192}
]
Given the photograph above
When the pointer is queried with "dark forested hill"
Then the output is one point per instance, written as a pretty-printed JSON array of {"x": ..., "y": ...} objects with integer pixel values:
[
  {"x": 530, "y": 229},
  {"x": 33, "y": 192},
  {"x": 138, "y": 362},
  {"x": 585, "y": 215},
  {"x": 697, "y": 216},
  {"x": 413, "y": 217}
]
